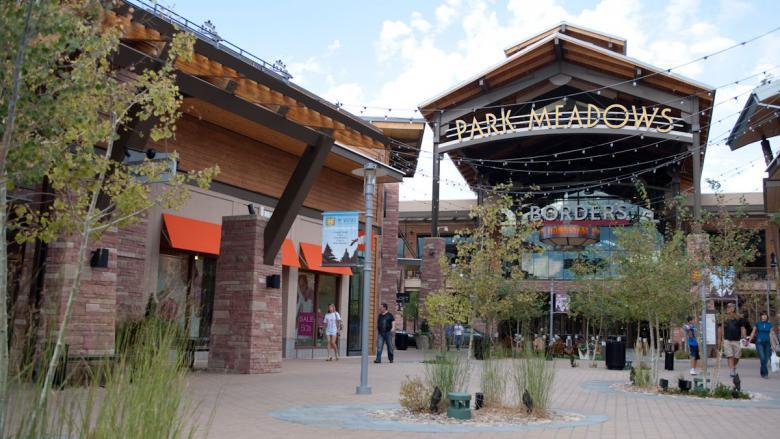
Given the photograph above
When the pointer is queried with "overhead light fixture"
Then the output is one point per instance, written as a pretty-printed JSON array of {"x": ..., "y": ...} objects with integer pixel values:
[{"x": 251, "y": 209}]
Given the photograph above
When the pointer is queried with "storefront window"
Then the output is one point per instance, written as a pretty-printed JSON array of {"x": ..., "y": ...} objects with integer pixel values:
[
  {"x": 305, "y": 318},
  {"x": 315, "y": 292},
  {"x": 172, "y": 287}
]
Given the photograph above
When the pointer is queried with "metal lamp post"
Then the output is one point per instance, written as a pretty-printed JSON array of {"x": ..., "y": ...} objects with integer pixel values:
[{"x": 369, "y": 173}]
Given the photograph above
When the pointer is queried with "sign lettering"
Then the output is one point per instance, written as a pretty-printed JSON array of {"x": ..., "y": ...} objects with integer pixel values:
[{"x": 614, "y": 116}]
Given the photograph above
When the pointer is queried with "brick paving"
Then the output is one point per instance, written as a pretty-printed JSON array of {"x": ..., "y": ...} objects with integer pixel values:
[{"x": 241, "y": 403}]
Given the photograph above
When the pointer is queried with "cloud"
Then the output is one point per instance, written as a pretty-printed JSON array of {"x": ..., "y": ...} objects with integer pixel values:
[
  {"x": 349, "y": 93},
  {"x": 393, "y": 36},
  {"x": 334, "y": 46},
  {"x": 420, "y": 23},
  {"x": 299, "y": 69}
]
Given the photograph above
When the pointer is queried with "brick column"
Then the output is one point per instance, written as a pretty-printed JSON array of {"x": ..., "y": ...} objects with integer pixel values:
[
  {"x": 431, "y": 278},
  {"x": 93, "y": 322},
  {"x": 131, "y": 264},
  {"x": 389, "y": 272},
  {"x": 246, "y": 330}
]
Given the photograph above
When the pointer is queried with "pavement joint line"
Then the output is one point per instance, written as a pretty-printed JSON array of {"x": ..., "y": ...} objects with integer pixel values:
[{"x": 355, "y": 417}]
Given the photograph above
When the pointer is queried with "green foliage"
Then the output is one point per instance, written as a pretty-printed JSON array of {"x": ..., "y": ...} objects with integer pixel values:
[
  {"x": 534, "y": 373},
  {"x": 749, "y": 353},
  {"x": 142, "y": 393},
  {"x": 641, "y": 375},
  {"x": 448, "y": 372},
  {"x": 721, "y": 391},
  {"x": 415, "y": 395},
  {"x": 71, "y": 105},
  {"x": 493, "y": 380},
  {"x": 487, "y": 267}
]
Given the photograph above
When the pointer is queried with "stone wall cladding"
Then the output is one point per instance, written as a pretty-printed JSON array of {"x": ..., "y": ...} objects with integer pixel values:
[
  {"x": 93, "y": 321},
  {"x": 246, "y": 330},
  {"x": 131, "y": 263},
  {"x": 389, "y": 271},
  {"x": 431, "y": 277}
]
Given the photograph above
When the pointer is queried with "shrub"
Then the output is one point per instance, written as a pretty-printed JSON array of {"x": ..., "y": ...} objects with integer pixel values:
[
  {"x": 681, "y": 355},
  {"x": 749, "y": 353},
  {"x": 415, "y": 395},
  {"x": 448, "y": 372},
  {"x": 140, "y": 394},
  {"x": 493, "y": 381},
  {"x": 536, "y": 375},
  {"x": 640, "y": 375}
]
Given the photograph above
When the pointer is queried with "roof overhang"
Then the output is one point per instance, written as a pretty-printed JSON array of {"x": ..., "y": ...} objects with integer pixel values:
[{"x": 759, "y": 117}]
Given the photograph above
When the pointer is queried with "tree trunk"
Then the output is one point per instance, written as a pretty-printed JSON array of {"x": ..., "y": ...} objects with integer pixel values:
[
  {"x": 4, "y": 148},
  {"x": 74, "y": 288}
]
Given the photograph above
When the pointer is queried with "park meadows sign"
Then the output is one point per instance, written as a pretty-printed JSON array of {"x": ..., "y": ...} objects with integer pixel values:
[{"x": 614, "y": 116}]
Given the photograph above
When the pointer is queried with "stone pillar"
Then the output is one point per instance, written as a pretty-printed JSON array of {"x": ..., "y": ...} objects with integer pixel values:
[
  {"x": 431, "y": 277},
  {"x": 389, "y": 271},
  {"x": 92, "y": 325},
  {"x": 246, "y": 330},
  {"x": 131, "y": 265}
]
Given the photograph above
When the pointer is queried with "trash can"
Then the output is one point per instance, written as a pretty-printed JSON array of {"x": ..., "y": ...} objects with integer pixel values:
[
  {"x": 615, "y": 355},
  {"x": 480, "y": 347},
  {"x": 401, "y": 340},
  {"x": 669, "y": 360}
]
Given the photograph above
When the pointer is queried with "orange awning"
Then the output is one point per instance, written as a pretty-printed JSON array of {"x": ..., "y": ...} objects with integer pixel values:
[
  {"x": 289, "y": 255},
  {"x": 313, "y": 256},
  {"x": 193, "y": 235}
]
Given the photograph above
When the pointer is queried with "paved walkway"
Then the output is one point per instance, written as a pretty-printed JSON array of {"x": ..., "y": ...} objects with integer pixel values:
[{"x": 243, "y": 403}]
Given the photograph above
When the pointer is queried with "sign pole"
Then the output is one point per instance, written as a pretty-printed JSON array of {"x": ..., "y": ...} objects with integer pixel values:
[
  {"x": 552, "y": 303},
  {"x": 369, "y": 183}
]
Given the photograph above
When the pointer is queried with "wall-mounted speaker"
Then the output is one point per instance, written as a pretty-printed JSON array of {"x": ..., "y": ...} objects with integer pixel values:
[{"x": 273, "y": 281}]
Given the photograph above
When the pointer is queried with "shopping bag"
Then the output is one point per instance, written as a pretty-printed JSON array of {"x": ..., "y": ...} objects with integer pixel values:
[{"x": 775, "y": 362}]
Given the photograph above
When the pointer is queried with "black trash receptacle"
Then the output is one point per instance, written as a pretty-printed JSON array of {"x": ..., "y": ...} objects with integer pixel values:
[
  {"x": 669, "y": 360},
  {"x": 615, "y": 355},
  {"x": 480, "y": 347},
  {"x": 401, "y": 340}
]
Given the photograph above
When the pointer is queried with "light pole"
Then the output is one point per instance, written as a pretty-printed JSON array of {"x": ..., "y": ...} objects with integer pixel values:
[
  {"x": 369, "y": 172},
  {"x": 552, "y": 302}
]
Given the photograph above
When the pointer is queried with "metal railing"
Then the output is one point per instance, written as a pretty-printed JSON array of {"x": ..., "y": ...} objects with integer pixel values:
[{"x": 210, "y": 36}]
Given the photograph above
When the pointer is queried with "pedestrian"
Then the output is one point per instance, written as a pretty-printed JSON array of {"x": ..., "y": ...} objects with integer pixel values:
[
  {"x": 734, "y": 331},
  {"x": 385, "y": 326},
  {"x": 458, "y": 330},
  {"x": 693, "y": 344},
  {"x": 762, "y": 332},
  {"x": 332, "y": 322}
]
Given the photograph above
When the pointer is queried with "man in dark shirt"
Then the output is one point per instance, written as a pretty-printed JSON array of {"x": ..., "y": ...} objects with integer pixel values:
[
  {"x": 734, "y": 334},
  {"x": 385, "y": 326}
]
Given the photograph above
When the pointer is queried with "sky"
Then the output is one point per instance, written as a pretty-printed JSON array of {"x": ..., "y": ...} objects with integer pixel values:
[{"x": 385, "y": 58}]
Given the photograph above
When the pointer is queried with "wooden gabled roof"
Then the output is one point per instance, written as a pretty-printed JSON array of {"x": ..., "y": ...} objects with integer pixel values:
[
  {"x": 571, "y": 44},
  {"x": 149, "y": 33},
  {"x": 613, "y": 43}
]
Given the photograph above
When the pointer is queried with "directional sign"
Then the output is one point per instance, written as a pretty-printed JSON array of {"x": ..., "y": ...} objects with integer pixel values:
[{"x": 402, "y": 297}]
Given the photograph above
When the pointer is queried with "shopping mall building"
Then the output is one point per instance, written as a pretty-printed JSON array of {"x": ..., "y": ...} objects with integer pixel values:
[
  {"x": 572, "y": 123},
  {"x": 239, "y": 266}
]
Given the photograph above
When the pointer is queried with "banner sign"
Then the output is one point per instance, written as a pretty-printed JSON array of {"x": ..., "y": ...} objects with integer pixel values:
[
  {"x": 339, "y": 239},
  {"x": 562, "y": 302}
]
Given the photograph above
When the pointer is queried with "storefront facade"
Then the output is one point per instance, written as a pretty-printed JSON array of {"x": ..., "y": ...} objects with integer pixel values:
[
  {"x": 238, "y": 266},
  {"x": 568, "y": 123}
]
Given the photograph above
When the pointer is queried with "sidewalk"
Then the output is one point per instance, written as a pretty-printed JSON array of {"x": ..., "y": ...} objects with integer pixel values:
[{"x": 243, "y": 401}]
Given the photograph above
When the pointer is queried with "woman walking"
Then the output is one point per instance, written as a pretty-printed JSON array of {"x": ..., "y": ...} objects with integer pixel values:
[
  {"x": 332, "y": 323},
  {"x": 762, "y": 331}
]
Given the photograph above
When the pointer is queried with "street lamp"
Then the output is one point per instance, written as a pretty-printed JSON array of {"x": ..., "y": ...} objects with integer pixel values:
[{"x": 369, "y": 172}]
